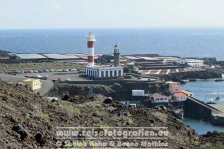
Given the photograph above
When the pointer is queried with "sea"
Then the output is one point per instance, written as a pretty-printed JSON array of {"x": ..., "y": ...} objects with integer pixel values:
[
  {"x": 206, "y": 91},
  {"x": 184, "y": 42}
]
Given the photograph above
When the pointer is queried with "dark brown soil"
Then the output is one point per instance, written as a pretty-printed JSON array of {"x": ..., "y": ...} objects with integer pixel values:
[{"x": 29, "y": 120}]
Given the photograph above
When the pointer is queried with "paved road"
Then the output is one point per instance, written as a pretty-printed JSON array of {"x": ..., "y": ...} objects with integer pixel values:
[{"x": 47, "y": 84}]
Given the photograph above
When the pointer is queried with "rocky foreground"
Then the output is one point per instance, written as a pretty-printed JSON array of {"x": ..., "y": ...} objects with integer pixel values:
[
  {"x": 207, "y": 74},
  {"x": 29, "y": 120},
  {"x": 3, "y": 53}
]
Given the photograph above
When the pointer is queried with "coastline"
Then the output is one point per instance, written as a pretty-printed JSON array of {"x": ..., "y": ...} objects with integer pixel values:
[{"x": 68, "y": 64}]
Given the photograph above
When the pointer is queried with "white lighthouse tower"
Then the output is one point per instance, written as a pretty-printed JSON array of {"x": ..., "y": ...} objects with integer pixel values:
[
  {"x": 116, "y": 55},
  {"x": 90, "y": 44}
]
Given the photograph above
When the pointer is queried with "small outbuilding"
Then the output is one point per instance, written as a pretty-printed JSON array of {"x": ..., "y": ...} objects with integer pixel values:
[{"x": 32, "y": 84}]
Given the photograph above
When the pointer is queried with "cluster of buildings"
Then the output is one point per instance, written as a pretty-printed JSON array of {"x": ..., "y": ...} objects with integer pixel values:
[
  {"x": 91, "y": 70},
  {"x": 184, "y": 61},
  {"x": 163, "y": 60},
  {"x": 102, "y": 71},
  {"x": 163, "y": 65},
  {"x": 115, "y": 70},
  {"x": 176, "y": 94}
]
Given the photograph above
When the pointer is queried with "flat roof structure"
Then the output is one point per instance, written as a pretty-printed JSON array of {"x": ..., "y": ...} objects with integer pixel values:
[
  {"x": 30, "y": 80},
  {"x": 131, "y": 57},
  {"x": 168, "y": 57},
  {"x": 85, "y": 55},
  {"x": 60, "y": 56},
  {"x": 30, "y": 56},
  {"x": 150, "y": 58},
  {"x": 82, "y": 56}
]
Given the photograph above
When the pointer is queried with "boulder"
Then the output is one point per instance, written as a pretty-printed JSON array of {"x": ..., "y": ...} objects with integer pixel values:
[
  {"x": 108, "y": 100},
  {"x": 20, "y": 130},
  {"x": 40, "y": 138}
]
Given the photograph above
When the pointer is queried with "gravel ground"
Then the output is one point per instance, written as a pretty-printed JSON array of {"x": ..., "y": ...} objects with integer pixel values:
[{"x": 9, "y": 67}]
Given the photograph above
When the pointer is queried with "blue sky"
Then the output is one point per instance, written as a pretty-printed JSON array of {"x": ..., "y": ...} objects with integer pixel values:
[{"x": 111, "y": 13}]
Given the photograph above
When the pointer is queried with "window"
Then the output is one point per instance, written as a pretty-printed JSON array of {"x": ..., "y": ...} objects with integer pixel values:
[
  {"x": 111, "y": 73},
  {"x": 119, "y": 72},
  {"x": 102, "y": 73},
  {"x": 107, "y": 73},
  {"x": 115, "y": 73}
]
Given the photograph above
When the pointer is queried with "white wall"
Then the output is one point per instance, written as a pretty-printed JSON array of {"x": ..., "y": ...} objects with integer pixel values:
[
  {"x": 105, "y": 70},
  {"x": 195, "y": 63},
  {"x": 161, "y": 100},
  {"x": 180, "y": 98},
  {"x": 138, "y": 93}
]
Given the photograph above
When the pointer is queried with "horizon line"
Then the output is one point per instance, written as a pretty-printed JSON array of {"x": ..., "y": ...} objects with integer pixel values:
[{"x": 118, "y": 28}]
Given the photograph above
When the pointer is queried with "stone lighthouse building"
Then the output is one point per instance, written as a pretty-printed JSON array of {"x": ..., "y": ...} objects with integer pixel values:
[{"x": 116, "y": 56}]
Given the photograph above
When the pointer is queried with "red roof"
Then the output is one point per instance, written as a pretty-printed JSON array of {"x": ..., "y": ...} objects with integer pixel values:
[
  {"x": 174, "y": 88},
  {"x": 159, "y": 96},
  {"x": 180, "y": 94},
  {"x": 186, "y": 92}
]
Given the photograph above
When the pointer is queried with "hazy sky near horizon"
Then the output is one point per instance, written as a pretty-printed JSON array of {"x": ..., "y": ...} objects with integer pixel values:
[{"x": 110, "y": 13}]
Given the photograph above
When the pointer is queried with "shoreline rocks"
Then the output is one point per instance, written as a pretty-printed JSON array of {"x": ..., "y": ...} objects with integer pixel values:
[{"x": 209, "y": 74}]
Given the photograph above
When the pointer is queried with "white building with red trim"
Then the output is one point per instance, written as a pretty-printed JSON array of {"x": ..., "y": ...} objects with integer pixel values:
[
  {"x": 188, "y": 93},
  {"x": 177, "y": 97},
  {"x": 99, "y": 71},
  {"x": 174, "y": 87},
  {"x": 158, "y": 98}
]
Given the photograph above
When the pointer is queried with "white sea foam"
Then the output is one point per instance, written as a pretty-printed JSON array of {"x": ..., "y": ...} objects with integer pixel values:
[
  {"x": 213, "y": 99},
  {"x": 216, "y": 93}
]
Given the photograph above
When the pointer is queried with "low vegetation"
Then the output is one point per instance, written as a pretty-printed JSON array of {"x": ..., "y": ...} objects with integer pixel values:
[
  {"x": 29, "y": 121},
  {"x": 44, "y": 116}
]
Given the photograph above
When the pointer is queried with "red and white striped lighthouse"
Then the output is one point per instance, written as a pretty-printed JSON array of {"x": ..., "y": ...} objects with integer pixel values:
[{"x": 90, "y": 44}]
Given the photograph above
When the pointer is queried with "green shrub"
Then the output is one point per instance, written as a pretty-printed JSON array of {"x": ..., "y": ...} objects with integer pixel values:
[
  {"x": 94, "y": 105},
  {"x": 116, "y": 86},
  {"x": 103, "y": 126},
  {"x": 76, "y": 111},
  {"x": 44, "y": 116}
]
